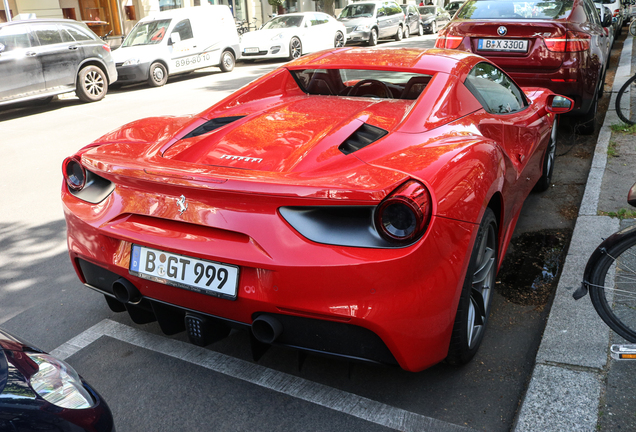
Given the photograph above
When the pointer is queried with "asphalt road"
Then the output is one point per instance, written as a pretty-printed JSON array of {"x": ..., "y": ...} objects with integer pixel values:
[{"x": 159, "y": 383}]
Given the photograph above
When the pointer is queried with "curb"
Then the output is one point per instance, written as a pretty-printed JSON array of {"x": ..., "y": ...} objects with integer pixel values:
[{"x": 566, "y": 384}]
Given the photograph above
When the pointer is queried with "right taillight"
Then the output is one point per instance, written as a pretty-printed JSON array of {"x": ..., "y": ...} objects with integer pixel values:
[
  {"x": 405, "y": 214},
  {"x": 448, "y": 40},
  {"x": 571, "y": 41},
  {"x": 74, "y": 173}
]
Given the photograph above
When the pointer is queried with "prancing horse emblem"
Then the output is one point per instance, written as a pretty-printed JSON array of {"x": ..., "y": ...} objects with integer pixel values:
[{"x": 182, "y": 204}]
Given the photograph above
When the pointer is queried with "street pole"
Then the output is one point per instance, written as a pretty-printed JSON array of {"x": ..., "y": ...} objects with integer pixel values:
[{"x": 7, "y": 11}]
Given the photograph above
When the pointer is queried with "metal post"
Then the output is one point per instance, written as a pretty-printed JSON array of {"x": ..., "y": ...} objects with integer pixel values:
[{"x": 7, "y": 11}]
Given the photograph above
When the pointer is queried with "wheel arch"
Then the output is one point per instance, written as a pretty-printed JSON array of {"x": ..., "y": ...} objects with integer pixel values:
[
  {"x": 93, "y": 62},
  {"x": 163, "y": 62}
]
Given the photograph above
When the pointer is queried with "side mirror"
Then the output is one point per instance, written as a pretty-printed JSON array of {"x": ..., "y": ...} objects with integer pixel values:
[
  {"x": 607, "y": 18},
  {"x": 174, "y": 38},
  {"x": 558, "y": 104}
]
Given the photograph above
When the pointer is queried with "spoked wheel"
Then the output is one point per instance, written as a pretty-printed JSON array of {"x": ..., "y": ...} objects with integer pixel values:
[
  {"x": 474, "y": 304},
  {"x": 92, "y": 84},
  {"x": 227, "y": 61},
  {"x": 622, "y": 98},
  {"x": 548, "y": 160},
  {"x": 632, "y": 27},
  {"x": 339, "y": 40},
  {"x": 295, "y": 48},
  {"x": 613, "y": 286}
]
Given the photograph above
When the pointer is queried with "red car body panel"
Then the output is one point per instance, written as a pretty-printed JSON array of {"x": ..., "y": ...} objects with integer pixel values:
[{"x": 408, "y": 296}]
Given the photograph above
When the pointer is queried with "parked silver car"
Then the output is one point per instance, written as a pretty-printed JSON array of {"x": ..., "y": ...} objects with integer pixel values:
[
  {"x": 45, "y": 57},
  {"x": 368, "y": 21}
]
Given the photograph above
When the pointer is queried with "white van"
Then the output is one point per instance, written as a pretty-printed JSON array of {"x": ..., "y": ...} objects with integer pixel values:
[{"x": 178, "y": 41}]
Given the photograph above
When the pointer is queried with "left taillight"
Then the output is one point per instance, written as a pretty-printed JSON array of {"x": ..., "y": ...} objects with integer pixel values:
[
  {"x": 404, "y": 215},
  {"x": 571, "y": 41},
  {"x": 74, "y": 173},
  {"x": 448, "y": 40}
]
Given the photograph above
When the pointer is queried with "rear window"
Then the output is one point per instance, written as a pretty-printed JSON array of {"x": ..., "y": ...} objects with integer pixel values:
[
  {"x": 488, "y": 9},
  {"x": 361, "y": 83},
  {"x": 364, "y": 10}
]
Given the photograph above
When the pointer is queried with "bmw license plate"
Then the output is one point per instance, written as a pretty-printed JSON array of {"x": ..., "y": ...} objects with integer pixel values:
[
  {"x": 512, "y": 45},
  {"x": 251, "y": 50},
  {"x": 202, "y": 276}
]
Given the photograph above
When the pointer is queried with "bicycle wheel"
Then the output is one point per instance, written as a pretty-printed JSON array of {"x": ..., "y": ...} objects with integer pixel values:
[
  {"x": 622, "y": 92},
  {"x": 632, "y": 27},
  {"x": 613, "y": 285}
]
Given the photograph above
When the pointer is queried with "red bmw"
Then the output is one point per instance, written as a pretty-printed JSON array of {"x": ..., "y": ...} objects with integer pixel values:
[
  {"x": 355, "y": 202},
  {"x": 560, "y": 45}
]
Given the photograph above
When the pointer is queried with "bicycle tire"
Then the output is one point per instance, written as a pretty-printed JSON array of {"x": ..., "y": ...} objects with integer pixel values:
[
  {"x": 615, "y": 302},
  {"x": 632, "y": 27},
  {"x": 625, "y": 118}
]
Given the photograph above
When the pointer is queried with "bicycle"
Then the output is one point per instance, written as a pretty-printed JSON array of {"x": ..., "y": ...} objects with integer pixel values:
[
  {"x": 630, "y": 84},
  {"x": 243, "y": 26},
  {"x": 610, "y": 279}
]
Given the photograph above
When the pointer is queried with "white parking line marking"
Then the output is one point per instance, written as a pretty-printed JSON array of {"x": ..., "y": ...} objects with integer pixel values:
[{"x": 337, "y": 400}]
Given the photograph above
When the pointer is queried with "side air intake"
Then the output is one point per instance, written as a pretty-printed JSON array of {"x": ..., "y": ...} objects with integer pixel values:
[
  {"x": 210, "y": 125},
  {"x": 362, "y": 137}
]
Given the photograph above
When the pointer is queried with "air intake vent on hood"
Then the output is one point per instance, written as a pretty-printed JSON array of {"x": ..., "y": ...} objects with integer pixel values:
[
  {"x": 362, "y": 137},
  {"x": 210, "y": 125}
]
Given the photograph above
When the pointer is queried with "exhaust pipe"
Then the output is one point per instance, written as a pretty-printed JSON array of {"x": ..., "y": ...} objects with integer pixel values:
[
  {"x": 266, "y": 329},
  {"x": 126, "y": 292}
]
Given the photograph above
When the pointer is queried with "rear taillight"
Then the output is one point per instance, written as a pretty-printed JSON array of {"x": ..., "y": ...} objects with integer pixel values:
[
  {"x": 571, "y": 41},
  {"x": 74, "y": 173},
  {"x": 448, "y": 40},
  {"x": 616, "y": 12},
  {"x": 106, "y": 47},
  {"x": 405, "y": 214}
]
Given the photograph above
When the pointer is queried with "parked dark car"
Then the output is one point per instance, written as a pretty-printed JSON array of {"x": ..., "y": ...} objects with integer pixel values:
[
  {"x": 412, "y": 24},
  {"x": 452, "y": 7},
  {"x": 43, "y": 58},
  {"x": 39, "y": 392},
  {"x": 433, "y": 18},
  {"x": 369, "y": 21},
  {"x": 559, "y": 45}
]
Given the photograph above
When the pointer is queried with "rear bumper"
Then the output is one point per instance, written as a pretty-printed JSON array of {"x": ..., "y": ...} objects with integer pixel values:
[{"x": 400, "y": 302}]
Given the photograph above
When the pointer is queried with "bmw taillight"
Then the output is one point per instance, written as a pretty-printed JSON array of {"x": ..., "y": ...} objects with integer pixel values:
[
  {"x": 571, "y": 41},
  {"x": 448, "y": 40},
  {"x": 74, "y": 173},
  {"x": 405, "y": 214}
]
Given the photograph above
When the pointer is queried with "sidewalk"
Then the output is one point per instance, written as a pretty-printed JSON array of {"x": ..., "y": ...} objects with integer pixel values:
[{"x": 567, "y": 391}]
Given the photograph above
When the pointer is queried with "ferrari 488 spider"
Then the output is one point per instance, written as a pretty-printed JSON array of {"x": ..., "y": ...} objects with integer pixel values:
[{"x": 355, "y": 202}]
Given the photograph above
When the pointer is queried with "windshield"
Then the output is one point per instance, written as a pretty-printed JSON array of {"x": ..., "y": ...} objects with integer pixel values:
[
  {"x": 489, "y": 9},
  {"x": 284, "y": 22},
  {"x": 425, "y": 10},
  {"x": 147, "y": 33},
  {"x": 358, "y": 11}
]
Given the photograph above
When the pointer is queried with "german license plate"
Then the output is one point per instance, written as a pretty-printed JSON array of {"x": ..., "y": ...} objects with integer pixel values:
[
  {"x": 251, "y": 50},
  {"x": 202, "y": 276},
  {"x": 514, "y": 45}
]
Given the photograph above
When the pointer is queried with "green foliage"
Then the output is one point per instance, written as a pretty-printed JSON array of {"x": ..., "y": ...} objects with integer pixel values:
[
  {"x": 624, "y": 128},
  {"x": 612, "y": 149},
  {"x": 621, "y": 214}
]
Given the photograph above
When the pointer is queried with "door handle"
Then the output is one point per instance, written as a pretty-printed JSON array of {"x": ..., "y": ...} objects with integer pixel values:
[
  {"x": 72, "y": 47},
  {"x": 30, "y": 54}
]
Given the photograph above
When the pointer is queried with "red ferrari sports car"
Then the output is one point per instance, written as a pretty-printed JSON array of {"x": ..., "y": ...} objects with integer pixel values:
[{"x": 355, "y": 202}]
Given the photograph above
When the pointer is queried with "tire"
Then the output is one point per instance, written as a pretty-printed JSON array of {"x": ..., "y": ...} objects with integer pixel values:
[
  {"x": 586, "y": 123},
  {"x": 295, "y": 48},
  {"x": 420, "y": 29},
  {"x": 373, "y": 37},
  {"x": 227, "y": 61},
  {"x": 630, "y": 84},
  {"x": 158, "y": 75},
  {"x": 92, "y": 84},
  {"x": 433, "y": 27},
  {"x": 407, "y": 32},
  {"x": 474, "y": 303},
  {"x": 399, "y": 34},
  {"x": 632, "y": 27},
  {"x": 615, "y": 302},
  {"x": 339, "y": 40},
  {"x": 548, "y": 160}
]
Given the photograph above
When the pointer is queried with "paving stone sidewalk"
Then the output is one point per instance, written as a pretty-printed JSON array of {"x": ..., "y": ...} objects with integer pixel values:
[{"x": 574, "y": 386}]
